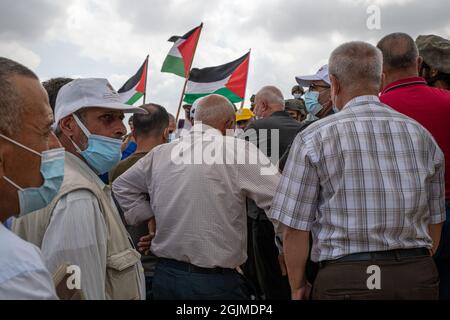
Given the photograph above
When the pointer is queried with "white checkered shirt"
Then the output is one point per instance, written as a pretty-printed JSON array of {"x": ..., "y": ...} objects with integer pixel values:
[{"x": 365, "y": 179}]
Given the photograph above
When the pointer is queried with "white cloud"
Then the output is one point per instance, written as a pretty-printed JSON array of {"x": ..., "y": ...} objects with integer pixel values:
[{"x": 19, "y": 53}]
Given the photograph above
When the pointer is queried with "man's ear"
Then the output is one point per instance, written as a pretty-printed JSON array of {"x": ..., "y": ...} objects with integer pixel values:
[
  {"x": 383, "y": 82},
  {"x": 335, "y": 87},
  {"x": 67, "y": 126},
  {"x": 166, "y": 134},
  {"x": 419, "y": 65}
]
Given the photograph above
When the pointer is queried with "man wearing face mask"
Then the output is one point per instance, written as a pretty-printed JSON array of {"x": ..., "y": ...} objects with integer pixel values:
[
  {"x": 297, "y": 92},
  {"x": 149, "y": 131},
  {"x": 172, "y": 128},
  {"x": 31, "y": 174},
  {"x": 199, "y": 205},
  {"x": 82, "y": 226},
  {"x": 317, "y": 97}
]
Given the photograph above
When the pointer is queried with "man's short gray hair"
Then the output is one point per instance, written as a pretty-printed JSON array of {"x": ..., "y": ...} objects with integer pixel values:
[
  {"x": 357, "y": 64},
  {"x": 11, "y": 104},
  {"x": 214, "y": 110},
  {"x": 271, "y": 95}
]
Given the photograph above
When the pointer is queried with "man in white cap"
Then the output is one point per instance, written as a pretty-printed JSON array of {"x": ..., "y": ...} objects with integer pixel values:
[
  {"x": 317, "y": 97},
  {"x": 82, "y": 226}
]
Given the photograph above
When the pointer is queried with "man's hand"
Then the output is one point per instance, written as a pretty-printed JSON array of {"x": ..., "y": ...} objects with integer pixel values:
[
  {"x": 146, "y": 241},
  {"x": 303, "y": 293}
]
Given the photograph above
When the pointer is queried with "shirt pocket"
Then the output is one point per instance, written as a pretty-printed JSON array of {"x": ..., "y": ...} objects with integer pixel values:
[{"x": 121, "y": 273}]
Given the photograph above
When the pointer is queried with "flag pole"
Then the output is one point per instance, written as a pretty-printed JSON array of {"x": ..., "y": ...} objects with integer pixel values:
[
  {"x": 246, "y": 82},
  {"x": 187, "y": 76},
  {"x": 146, "y": 78}
]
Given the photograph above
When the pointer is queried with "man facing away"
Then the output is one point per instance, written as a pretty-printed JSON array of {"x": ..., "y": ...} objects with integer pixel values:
[
  {"x": 368, "y": 183},
  {"x": 407, "y": 93},
  {"x": 196, "y": 188}
]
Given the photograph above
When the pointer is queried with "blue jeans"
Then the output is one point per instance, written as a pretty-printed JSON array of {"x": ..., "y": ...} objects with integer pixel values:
[
  {"x": 173, "y": 283},
  {"x": 442, "y": 258}
]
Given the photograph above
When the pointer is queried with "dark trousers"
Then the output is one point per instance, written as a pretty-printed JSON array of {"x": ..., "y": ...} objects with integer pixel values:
[
  {"x": 442, "y": 258},
  {"x": 412, "y": 278},
  {"x": 262, "y": 265},
  {"x": 173, "y": 282}
]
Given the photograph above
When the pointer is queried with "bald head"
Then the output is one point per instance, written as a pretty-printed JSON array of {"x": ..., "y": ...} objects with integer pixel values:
[
  {"x": 268, "y": 100},
  {"x": 399, "y": 52},
  {"x": 216, "y": 111}
]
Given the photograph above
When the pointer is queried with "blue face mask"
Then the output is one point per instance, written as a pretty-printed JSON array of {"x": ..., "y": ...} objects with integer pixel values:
[
  {"x": 52, "y": 171},
  {"x": 172, "y": 137},
  {"x": 102, "y": 153},
  {"x": 312, "y": 102}
]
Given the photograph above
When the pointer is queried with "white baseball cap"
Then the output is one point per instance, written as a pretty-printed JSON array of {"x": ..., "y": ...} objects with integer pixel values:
[
  {"x": 322, "y": 74},
  {"x": 82, "y": 93}
]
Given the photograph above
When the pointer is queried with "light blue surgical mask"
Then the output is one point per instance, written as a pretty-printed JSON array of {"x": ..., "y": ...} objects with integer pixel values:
[
  {"x": 102, "y": 153},
  {"x": 52, "y": 171},
  {"x": 172, "y": 137},
  {"x": 312, "y": 102}
]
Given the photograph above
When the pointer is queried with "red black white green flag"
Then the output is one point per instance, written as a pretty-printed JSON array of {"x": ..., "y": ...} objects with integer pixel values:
[
  {"x": 134, "y": 88},
  {"x": 228, "y": 80},
  {"x": 180, "y": 57}
]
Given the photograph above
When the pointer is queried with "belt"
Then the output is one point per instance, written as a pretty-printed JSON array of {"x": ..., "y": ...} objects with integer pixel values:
[
  {"x": 380, "y": 255},
  {"x": 188, "y": 267}
]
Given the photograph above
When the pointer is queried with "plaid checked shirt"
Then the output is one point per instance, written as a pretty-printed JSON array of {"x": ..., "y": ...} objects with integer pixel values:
[{"x": 365, "y": 179}]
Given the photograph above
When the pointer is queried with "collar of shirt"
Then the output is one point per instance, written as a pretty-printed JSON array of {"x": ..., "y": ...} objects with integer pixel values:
[
  {"x": 403, "y": 83},
  {"x": 205, "y": 129},
  {"x": 84, "y": 165},
  {"x": 362, "y": 100}
]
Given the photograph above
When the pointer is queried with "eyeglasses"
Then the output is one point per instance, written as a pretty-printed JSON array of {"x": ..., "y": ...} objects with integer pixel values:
[{"x": 315, "y": 87}]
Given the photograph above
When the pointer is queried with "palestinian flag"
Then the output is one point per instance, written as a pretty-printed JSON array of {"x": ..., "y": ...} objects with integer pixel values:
[
  {"x": 228, "y": 80},
  {"x": 134, "y": 88},
  {"x": 180, "y": 57}
]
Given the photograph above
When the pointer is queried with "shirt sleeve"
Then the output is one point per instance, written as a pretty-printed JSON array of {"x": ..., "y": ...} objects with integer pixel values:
[
  {"x": 296, "y": 199},
  {"x": 258, "y": 178},
  {"x": 30, "y": 285},
  {"x": 436, "y": 196},
  {"x": 131, "y": 192},
  {"x": 77, "y": 235}
]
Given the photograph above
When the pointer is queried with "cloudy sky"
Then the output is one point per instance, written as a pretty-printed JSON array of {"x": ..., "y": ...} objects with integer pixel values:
[{"x": 98, "y": 38}]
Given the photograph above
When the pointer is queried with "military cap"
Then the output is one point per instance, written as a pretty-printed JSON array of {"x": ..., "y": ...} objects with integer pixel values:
[
  {"x": 435, "y": 51},
  {"x": 295, "y": 104}
]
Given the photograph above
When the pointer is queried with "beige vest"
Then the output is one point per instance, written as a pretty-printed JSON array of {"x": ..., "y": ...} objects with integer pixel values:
[{"x": 124, "y": 272}]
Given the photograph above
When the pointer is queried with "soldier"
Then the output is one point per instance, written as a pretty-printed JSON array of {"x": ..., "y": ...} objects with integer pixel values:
[
  {"x": 297, "y": 92},
  {"x": 296, "y": 108},
  {"x": 435, "y": 68}
]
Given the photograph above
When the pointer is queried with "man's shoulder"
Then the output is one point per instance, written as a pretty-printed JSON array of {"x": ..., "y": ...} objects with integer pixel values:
[
  {"x": 277, "y": 121},
  {"x": 17, "y": 255}
]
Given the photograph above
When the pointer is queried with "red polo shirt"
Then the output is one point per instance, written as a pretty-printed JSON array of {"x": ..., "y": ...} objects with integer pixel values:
[{"x": 427, "y": 105}]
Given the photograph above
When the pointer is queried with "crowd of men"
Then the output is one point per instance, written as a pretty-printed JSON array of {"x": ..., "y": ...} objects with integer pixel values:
[{"x": 348, "y": 175}]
